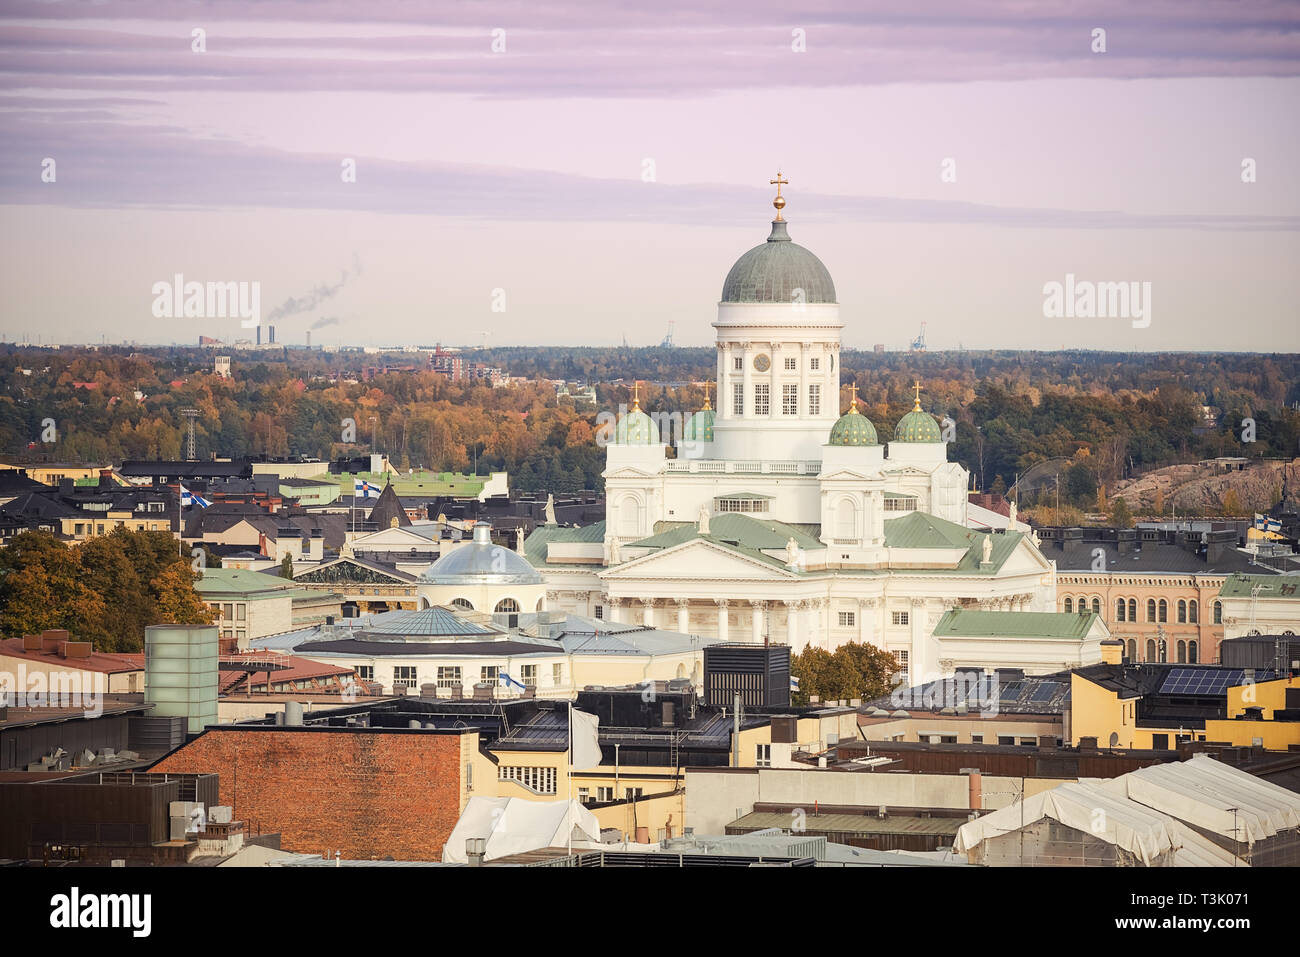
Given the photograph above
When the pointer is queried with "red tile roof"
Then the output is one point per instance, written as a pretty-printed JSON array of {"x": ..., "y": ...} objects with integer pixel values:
[{"x": 103, "y": 662}]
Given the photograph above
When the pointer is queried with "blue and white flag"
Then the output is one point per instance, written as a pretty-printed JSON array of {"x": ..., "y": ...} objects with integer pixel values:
[
  {"x": 188, "y": 498},
  {"x": 511, "y": 681},
  {"x": 794, "y": 683},
  {"x": 363, "y": 489},
  {"x": 1260, "y": 522},
  {"x": 1274, "y": 525}
]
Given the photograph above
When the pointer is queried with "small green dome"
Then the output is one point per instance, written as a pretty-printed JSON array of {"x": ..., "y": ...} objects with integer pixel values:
[
  {"x": 853, "y": 428},
  {"x": 636, "y": 428},
  {"x": 917, "y": 426},
  {"x": 699, "y": 427}
]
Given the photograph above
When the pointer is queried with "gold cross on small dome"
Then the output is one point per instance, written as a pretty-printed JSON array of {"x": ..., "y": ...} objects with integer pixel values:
[
  {"x": 779, "y": 202},
  {"x": 917, "y": 385},
  {"x": 706, "y": 396},
  {"x": 853, "y": 405},
  {"x": 636, "y": 397}
]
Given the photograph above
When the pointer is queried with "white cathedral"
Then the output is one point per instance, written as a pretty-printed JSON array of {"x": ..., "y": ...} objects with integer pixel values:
[{"x": 780, "y": 519}]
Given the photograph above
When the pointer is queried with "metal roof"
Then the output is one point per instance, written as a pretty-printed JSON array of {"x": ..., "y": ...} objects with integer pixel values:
[{"x": 774, "y": 270}]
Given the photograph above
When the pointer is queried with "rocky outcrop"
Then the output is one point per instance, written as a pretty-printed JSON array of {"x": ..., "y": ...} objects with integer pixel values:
[{"x": 1203, "y": 489}]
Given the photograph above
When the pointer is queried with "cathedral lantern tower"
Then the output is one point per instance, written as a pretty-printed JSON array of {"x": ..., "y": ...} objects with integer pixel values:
[{"x": 778, "y": 334}]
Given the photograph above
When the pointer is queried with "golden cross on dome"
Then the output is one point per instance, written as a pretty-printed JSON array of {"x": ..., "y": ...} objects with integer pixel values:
[
  {"x": 636, "y": 397},
  {"x": 779, "y": 202},
  {"x": 917, "y": 385},
  {"x": 706, "y": 396},
  {"x": 853, "y": 405}
]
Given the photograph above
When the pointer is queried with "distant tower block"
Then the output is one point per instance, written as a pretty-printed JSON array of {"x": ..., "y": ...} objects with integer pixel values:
[
  {"x": 259, "y": 335},
  {"x": 221, "y": 366},
  {"x": 270, "y": 334},
  {"x": 180, "y": 673}
]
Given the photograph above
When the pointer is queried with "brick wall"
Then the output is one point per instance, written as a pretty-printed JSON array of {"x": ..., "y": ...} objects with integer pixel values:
[{"x": 366, "y": 794}]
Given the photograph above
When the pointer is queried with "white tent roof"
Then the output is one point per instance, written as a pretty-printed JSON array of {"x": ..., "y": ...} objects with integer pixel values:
[
  {"x": 1098, "y": 809},
  {"x": 1214, "y": 797},
  {"x": 516, "y": 825}
]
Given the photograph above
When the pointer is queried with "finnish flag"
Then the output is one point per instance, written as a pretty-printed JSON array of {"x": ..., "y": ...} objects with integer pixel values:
[
  {"x": 188, "y": 498},
  {"x": 794, "y": 683},
  {"x": 511, "y": 681},
  {"x": 364, "y": 489}
]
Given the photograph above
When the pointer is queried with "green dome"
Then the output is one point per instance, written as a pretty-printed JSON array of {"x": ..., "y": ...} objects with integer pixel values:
[
  {"x": 773, "y": 271},
  {"x": 636, "y": 428},
  {"x": 699, "y": 427},
  {"x": 853, "y": 428},
  {"x": 917, "y": 426}
]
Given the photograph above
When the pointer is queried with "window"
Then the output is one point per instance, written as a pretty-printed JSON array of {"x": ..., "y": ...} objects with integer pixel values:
[
  {"x": 900, "y": 504},
  {"x": 529, "y": 674},
  {"x": 1069, "y": 605},
  {"x": 557, "y": 674},
  {"x": 600, "y": 612},
  {"x": 1192, "y": 656},
  {"x": 1182, "y": 612},
  {"x": 738, "y": 398},
  {"x": 1218, "y": 613},
  {"x": 1151, "y": 650},
  {"x": 462, "y": 603},
  {"x": 789, "y": 400},
  {"x": 1182, "y": 652},
  {"x": 1121, "y": 607},
  {"x": 404, "y": 676},
  {"x": 977, "y": 739},
  {"x": 1132, "y": 609},
  {"x": 633, "y": 794},
  {"x": 1006, "y": 739},
  {"x": 1164, "y": 610},
  {"x": 1151, "y": 609},
  {"x": 740, "y": 504},
  {"x": 507, "y": 606},
  {"x": 762, "y": 399},
  {"x": 814, "y": 364},
  {"x": 1194, "y": 612},
  {"x": 584, "y": 795},
  {"x": 814, "y": 398},
  {"x": 1160, "y": 742},
  {"x": 365, "y": 672},
  {"x": 449, "y": 676},
  {"x": 538, "y": 780},
  {"x": 241, "y": 612},
  {"x": 1132, "y": 649},
  {"x": 489, "y": 674},
  {"x": 1096, "y": 606},
  {"x": 738, "y": 363},
  {"x": 848, "y": 619},
  {"x": 604, "y": 794},
  {"x": 791, "y": 363},
  {"x": 227, "y": 611},
  {"x": 763, "y": 757},
  {"x": 899, "y": 618}
]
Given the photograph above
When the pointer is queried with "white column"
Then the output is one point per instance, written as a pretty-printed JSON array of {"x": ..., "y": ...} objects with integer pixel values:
[
  {"x": 683, "y": 616},
  {"x": 919, "y": 664},
  {"x": 824, "y": 613},
  {"x": 613, "y": 604},
  {"x": 792, "y": 626},
  {"x": 648, "y": 612},
  {"x": 756, "y": 622},
  {"x": 802, "y": 407},
  {"x": 723, "y": 615},
  {"x": 866, "y": 620},
  {"x": 745, "y": 378}
]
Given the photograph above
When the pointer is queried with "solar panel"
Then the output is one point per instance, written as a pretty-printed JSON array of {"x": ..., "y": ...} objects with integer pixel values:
[
  {"x": 1011, "y": 692},
  {"x": 1200, "y": 681},
  {"x": 1045, "y": 691}
]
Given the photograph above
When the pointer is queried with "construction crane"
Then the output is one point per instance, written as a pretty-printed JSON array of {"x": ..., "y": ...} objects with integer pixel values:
[
  {"x": 190, "y": 416},
  {"x": 668, "y": 339},
  {"x": 918, "y": 344}
]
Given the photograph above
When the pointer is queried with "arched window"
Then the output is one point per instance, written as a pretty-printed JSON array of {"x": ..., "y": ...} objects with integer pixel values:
[
  {"x": 1194, "y": 612},
  {"x": 1164, "y": 610},
  {"x": 1132, "y": 609},
  {"x": 462, "y": 603},
  {"x": 1182, "y": 612},
  {"x": 1096, "y": 606},
  {"x": 1120, "y": 609},
  {"x": 629, "y": 515},
  {"x": 507, "y": 606},
  {"x": 1069, "y": 604},
  {"x": 1151, "y": 609},
  {"x": 846, "y": 519},
  {"x": 1218, "y": 613},
  {"x": 1151, "y": 650},
  {"x": 1132, "y": 649},
  {"x": 540, "y": 602},
  {"x": 1192, "y": 654},
  {"x": 1182, "y": 652}
]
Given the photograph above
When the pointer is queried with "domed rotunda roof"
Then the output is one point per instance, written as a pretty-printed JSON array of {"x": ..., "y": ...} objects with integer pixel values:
[{"x": 481, "y": 562}]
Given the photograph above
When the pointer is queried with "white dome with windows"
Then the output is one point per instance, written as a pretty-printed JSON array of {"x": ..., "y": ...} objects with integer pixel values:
[{"x": 484, "y": 577}]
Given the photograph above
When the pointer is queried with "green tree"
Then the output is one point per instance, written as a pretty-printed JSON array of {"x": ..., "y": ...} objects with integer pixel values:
[
  {"x": 286, "y": 567},
  {"x": 1120, "y": 516}
]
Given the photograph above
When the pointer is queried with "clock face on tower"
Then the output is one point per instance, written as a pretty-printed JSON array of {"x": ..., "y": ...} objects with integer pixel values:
[{"x": 761, "y": 362}]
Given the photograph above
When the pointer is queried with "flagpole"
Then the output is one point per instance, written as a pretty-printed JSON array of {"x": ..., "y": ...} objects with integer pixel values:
[{"x": 568, "y": 805}]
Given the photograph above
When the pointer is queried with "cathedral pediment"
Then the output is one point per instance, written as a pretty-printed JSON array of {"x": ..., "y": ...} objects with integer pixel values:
[{"x": 700, "y": 559}]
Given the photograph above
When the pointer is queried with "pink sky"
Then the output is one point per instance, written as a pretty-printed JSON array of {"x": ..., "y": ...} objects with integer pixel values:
[{"x": 523, "y": 170}]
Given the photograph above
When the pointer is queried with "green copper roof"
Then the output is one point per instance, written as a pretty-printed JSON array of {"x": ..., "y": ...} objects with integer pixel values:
[
  {"x": 972, "y": 623},
  {"x": 636, "y": 428},
  {"x": 917, "y": 426},
  {"x": 773, "y": 271},
  {"x": 731, "y": 527},
  {"x": 535, "y": 544},
  {"x": 1270, "y": 586},
  {"x": 699, "y": 427},
  {"x": 853, "y": 428}
]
